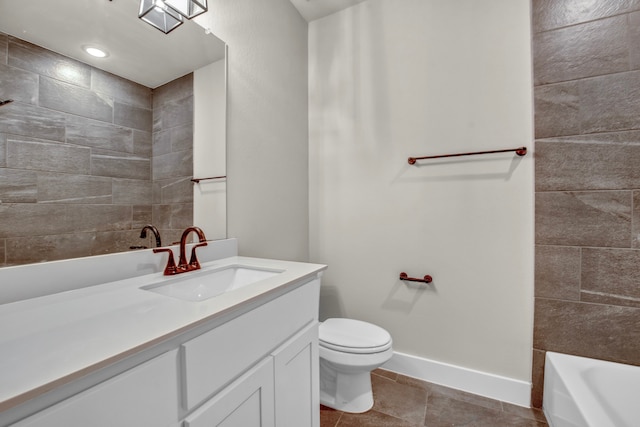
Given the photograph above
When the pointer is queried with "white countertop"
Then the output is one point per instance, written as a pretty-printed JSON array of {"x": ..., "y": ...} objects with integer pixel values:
[{"x": 52, "y": 340}]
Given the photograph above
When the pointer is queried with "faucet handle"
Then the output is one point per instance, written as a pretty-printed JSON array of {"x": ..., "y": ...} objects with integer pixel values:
[
  {"x": 171, "y": 268},
  {"x": 193, "y": 262}
]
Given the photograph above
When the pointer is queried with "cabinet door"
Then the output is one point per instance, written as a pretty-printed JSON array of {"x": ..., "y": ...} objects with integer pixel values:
[
  {"x": 247, "y": 402},
  {"x": 213, "y": 359},
  {"x": 146, "y": 395},
  {"x": 297, "y": 380}
]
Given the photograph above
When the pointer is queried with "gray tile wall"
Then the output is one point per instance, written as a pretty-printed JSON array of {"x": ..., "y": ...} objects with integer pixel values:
[
  {"x": 78, "y": 173},
  {"x": 587, "y": 173},
  {"x": 172, "y": 157}
]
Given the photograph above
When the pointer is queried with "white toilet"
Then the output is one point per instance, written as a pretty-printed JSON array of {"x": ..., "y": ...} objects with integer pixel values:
[{"x": 349, "y": 351}]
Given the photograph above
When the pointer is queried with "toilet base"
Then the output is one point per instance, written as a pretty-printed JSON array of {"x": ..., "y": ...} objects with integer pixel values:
[{"x": 345, "y": 392}]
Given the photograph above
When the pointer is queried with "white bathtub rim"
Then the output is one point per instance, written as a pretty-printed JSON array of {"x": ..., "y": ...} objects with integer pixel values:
[{"x": 590, "y": 408}]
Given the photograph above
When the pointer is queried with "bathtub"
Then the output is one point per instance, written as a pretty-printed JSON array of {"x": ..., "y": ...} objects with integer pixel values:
[{"x": 581, "y": 392}]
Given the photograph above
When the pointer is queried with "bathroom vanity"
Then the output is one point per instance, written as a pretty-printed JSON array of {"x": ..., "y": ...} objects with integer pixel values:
[{"x": 143, "y": 351}]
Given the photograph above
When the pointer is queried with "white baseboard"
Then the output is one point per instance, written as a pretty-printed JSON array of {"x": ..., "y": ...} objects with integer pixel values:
[{"x": 481, "y": 383}]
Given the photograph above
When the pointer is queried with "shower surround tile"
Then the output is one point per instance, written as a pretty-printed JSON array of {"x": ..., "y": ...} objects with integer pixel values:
[
  {"x": 588, "y": 163},
  {"x": 176, "y": 216},
  {"x": 22, "y": 219},
  {"x": 175, "y": 190},
  {"x": 178, "y": 89},
  {"x": 583, "y": 218},
  {"x": 598, "y": 268},
  {"x": 99, "y": 217},
  {"x": 591, "y": 330},
  {"x": 634, "y": 40},
  {"x": 131, "y": 192},
  {"x": 557, "y": 272},
  {"x": 586, "y": 180},
  {"x": 33, "y": 154},
  {"x": 27, "y": 250},
  {"x": 4, "y": 43},
  {"x": 30, "y": 57},
  {"x": 174, "y": 113},
  {"x": 120, "y": 165},
  {"x": 17, "y": 186},
  {"x": 67, "y": 98},
  {"x": 3, "y": 150},
  {"x": 142, "y": 143},
  {"x": 106, "y": 242},
  {"x": 173, "y": 165},
  {"x": 537, "y": 378},
  {"x": 121, "y": 89},
  {"x": 178, "y": 138},
  {"x": 550, "y": 14},
  {"x": 97, "y": 134},
  {"x": 27, "y": 120},
  {"x": 68, "y": 188},
  {"x": 18, "y": 85},
  {"x": 610, "y": 103},
  {"x": 592, "y": 49},
  {"x": 557, "y": 110},
  {"x": 142, "y": 216},
  {"x": 132, "y": 117}
]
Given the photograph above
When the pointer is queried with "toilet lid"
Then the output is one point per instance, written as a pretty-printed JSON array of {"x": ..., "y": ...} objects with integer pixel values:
[{"x": 353, "y": 336}]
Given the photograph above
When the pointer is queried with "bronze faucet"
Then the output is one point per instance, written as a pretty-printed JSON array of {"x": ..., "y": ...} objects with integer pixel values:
[
  {"x": 154, "y": 230},
  {"x": 183, "y": 266}
]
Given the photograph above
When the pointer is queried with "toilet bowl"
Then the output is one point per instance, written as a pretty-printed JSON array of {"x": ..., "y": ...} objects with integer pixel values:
[{"x": 349, "y": 351}]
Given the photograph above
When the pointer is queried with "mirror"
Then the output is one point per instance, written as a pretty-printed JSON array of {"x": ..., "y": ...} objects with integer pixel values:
[{"x": 93, "y": 149}]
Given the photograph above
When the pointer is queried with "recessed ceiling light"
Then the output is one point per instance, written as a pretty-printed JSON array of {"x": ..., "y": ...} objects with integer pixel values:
[{"x": 94, "y": 51}]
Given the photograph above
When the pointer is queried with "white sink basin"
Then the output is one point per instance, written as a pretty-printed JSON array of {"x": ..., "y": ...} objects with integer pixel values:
[{"x": 201, "y": 285}]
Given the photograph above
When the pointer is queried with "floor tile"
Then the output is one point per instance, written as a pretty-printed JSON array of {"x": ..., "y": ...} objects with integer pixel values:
[
  {"x": 329, "y": 417},
  {"x": 401, "y": 401},
  {"x": 398, "y": 400},
  {"x": 373, "y": 419}
]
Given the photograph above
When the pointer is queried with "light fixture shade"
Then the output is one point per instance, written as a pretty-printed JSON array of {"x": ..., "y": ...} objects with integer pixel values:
[
  {"x": 157, "y": 14},
  {"x": 188, "y": 8}
]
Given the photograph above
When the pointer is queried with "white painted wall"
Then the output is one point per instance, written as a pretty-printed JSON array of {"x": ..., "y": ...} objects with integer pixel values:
[
  {"x": 210, "y": 149},
  {"x": 267, "y": 125},
  {"x": 391, "y": 79}
]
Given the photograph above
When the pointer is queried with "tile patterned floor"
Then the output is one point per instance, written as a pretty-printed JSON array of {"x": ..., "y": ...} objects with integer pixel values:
[{"x": 402, "y": 401}]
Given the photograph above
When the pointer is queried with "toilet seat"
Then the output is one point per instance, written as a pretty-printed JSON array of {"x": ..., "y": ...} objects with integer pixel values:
[{"x": 353, "y": 336}]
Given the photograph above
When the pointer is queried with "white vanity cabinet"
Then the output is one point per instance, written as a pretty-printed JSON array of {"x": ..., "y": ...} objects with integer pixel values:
[
  {"x": 279, "y": 339},
  {"x": 142, "y": 396},
  {"x": 257, "y": 367},
  {"x": 279, "y": 391},
  {"x": 247, "y": 402}
]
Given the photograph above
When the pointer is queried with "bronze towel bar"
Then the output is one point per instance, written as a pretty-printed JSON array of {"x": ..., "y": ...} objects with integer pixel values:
[
  {"x": 426, "y": 279},
  {"x": 520, "y": 151},
  {"x": 197, "y": 180}
]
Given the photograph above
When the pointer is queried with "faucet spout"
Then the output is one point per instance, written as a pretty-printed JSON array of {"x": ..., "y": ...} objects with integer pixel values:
[
  {"x": 154, "y": 230},
  {"x": 184, "y": 266},
  {"x": 193, "y": 263}
]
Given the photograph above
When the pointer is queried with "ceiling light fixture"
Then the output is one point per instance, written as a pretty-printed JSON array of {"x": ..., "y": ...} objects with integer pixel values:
[
  {"x": 188, "y": 8},
  {"x": 157, "y": 14},
  {"x": 95, "y": 51}
]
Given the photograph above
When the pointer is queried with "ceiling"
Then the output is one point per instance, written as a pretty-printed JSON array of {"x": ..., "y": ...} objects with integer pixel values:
[
  {"x": 137, "y": 51},
  {"x": 316, "y": 9}
]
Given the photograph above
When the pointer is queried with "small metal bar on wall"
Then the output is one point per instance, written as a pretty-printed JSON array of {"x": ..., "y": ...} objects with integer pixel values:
[
  {"x": 405, "y": 277},
  {"x": 520, "y": 151},
  {"x": 197, "y": 180}
]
